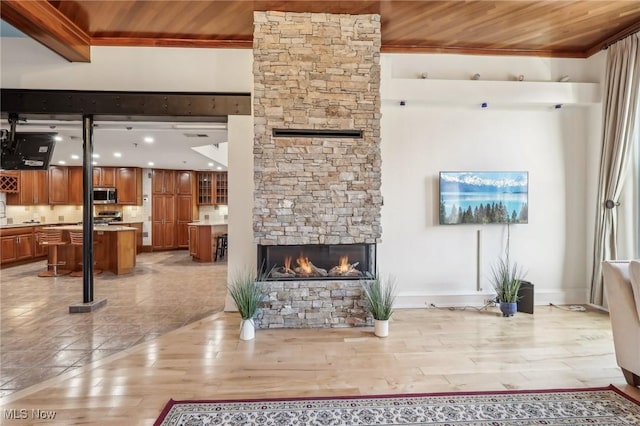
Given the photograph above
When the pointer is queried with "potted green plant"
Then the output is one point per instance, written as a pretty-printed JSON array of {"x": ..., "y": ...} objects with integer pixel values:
[
  {"x": 247, "y": 295},
  {"x": 379, "y": 296},
  {"x": 506, "y": 279}
]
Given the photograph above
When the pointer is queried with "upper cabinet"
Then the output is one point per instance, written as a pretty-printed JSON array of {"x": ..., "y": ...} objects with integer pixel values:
[
  {"x": 213, "y": 188},
  {"x": 222, "y": 188},
  {"x": 32, "y": 189},
  {"x": 185, "y": 182},
  {"x": 75, "y": 185},
  {"x": 58, "y": 185},
  {"x": 129, "y": 185},
  {"x": 104, "y": 177},
  {"x": 163, "y": 181}
]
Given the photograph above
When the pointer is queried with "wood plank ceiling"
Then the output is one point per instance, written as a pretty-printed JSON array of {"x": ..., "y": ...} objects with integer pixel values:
[{"x": 553, "y": 28}]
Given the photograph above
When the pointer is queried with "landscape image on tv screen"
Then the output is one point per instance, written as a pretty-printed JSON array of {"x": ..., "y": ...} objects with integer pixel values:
[{"x": 484, "y": 197}]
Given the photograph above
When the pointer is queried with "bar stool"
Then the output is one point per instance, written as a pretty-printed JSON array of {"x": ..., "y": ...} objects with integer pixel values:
[
  {"x": 77, "y": 240},
  {"x": 221, "y": 247},
  {"x": 52, "y": 238}
]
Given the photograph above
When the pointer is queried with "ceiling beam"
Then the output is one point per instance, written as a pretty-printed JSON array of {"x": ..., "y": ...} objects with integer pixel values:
[
  {"x": 123, "y": 106},
  {"x": 43, "y": 22}
]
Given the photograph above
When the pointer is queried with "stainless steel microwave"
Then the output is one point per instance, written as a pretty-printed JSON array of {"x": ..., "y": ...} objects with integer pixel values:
[{"x": 105, "y": 196}]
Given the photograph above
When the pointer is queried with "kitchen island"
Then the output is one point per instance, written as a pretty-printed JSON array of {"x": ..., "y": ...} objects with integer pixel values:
[
  {"x": 202, "y": 239},
  {"x": 114, "y": 249}
]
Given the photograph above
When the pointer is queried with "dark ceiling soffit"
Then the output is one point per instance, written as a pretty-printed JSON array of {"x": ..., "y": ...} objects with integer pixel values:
[
  {"x": 41, "y": 21},
  {"x": 131, "y": 106}
]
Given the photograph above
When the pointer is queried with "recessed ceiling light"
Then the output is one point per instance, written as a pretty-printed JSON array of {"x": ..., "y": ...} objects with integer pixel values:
[
  {"x": 62, "y": 162},
  {"x": 148, "y": 139},
  {"x": 117, "y": 154},
  {"x": 57, "y": 138},
  {"x": 210, "y": 164},
  {"x": 95, "y": 163},
  {"x": 95, "y": 155},
  {"x": 75, "y": 157},
  {"x": 150, "y": 163},
  {"x": 219, "y": 168}
]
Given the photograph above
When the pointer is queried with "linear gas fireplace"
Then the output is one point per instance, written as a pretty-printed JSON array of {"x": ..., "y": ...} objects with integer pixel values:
[{"x": 317, "y": 262}]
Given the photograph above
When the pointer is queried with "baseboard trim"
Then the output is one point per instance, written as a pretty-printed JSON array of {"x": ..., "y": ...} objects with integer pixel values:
[{"x": 479, "y": 299}]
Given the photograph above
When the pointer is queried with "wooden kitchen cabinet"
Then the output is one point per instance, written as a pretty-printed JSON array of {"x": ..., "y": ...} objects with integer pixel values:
[
  {"x": 213, "y": 188},
  {"x": 222, "y": 188},
  {"x": 186, "y": 212},
  {"x": 163, "y": 223},
  {"x": 58, "y": 185},
  {"x": 16, "y": 244},
  {"x": 163, "y": 181},
  {"x": 33, "y": 189},
  {"x": 9, "y": 181},
  {"x": 200, "y": 243},
  {"x": 75, "y": 185},
  {"x": 193, "y": 242},
  {"x": 129, "y": 185},
  {"x": 206, "y": 185},
  {"x": 202, "y": 237},
  {"x": 138, "y": 226},
  {"x": 104, "y": 177},
  {"x": 185, "y": 182}
]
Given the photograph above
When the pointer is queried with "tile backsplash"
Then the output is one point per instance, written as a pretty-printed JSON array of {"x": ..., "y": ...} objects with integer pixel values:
[
  {"x": 43, "y": 214},
  {"x": 213, "y": 214}
]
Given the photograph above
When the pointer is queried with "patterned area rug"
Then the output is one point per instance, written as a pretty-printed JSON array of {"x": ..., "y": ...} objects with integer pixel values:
[{"x": 594, "y": 406}]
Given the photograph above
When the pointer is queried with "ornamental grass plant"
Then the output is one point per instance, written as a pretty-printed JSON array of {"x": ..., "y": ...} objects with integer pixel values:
[
  {"x": 246, "y": 292},
  {"x": 379, "y": 296}
]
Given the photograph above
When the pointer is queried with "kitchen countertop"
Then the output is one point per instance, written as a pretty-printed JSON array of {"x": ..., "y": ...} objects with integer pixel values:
[
  {"x": 206, "y": 224},
  {"x": 27, "y": 224},
  {"x": 110, "y": 228}
]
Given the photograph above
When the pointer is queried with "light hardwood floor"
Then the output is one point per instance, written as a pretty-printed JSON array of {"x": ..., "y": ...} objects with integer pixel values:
[{"x": 428, "y": 350}]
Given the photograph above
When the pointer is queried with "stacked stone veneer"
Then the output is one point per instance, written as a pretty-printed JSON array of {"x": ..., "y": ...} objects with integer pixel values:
[
  {"x": 309, "y": 304},
  {"x": 316, "y": 71}
]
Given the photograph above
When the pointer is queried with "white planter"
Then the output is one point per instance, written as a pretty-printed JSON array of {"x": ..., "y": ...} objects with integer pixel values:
[
  {"x": 247, "y": 330},
  {"x": 381, "y": 328}
]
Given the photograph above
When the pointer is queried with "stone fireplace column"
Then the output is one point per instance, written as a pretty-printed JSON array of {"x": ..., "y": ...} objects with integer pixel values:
[
  {"x": 316, "y": 72},
  {"x": 317, "y": 76}
]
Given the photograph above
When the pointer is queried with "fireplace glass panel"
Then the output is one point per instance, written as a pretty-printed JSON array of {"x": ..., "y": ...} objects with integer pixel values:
[{"x": 313, "y": 262}]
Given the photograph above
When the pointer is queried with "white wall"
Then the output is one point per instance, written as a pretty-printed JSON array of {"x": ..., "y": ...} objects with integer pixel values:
[
  {"x": 438, "y": 264},
  {"x": 242, "y": 249},
  {"x": 27, "y": 64},
  {"x": 434, "y": 264}
]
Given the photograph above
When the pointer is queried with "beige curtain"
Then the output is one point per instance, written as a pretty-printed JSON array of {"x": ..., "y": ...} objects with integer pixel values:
[
  {"x": 629, "y": 208},
  {"x": 620, "y": 106}
]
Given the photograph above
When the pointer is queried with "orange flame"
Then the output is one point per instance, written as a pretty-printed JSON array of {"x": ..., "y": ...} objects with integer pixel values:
[
  {"x": 287, "y": 263},
  {"x": 344, "y": 264},
  {"x": 304, "y": 264}
]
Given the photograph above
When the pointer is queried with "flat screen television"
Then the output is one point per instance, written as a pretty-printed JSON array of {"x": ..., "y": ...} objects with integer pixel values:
[
  {"x": 27, "y": 151},
  {"x": 484, "y": 197}
]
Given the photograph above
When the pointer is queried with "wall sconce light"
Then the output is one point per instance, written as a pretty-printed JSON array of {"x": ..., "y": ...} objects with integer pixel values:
[{"x": 475, "y": 77}]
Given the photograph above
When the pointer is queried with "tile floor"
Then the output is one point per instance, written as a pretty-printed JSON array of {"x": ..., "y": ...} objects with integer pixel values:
[{"x": 39, "y": 339}]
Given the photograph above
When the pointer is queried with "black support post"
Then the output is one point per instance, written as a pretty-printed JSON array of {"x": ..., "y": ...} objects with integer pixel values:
[{"x": 87, "y": 209}]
